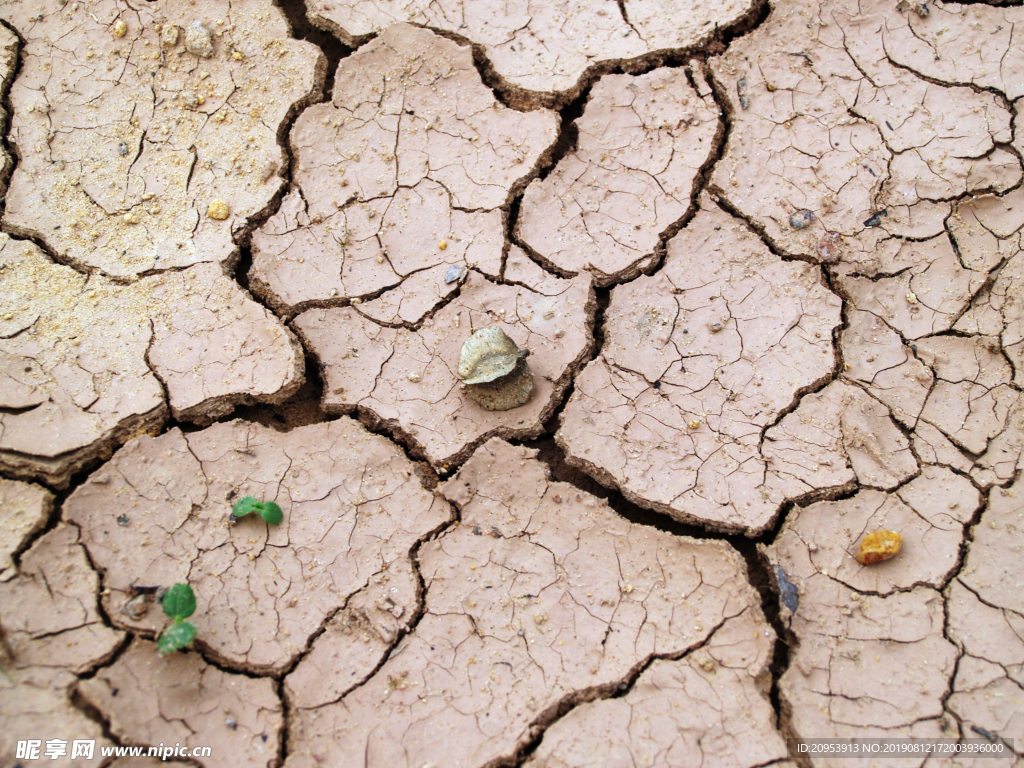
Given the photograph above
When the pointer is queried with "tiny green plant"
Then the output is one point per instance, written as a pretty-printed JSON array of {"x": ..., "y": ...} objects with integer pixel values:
[
  {"x": 179, "y": 603},
  {"x": 268, "y": 510},
  {"x": 5, "y": 654}
]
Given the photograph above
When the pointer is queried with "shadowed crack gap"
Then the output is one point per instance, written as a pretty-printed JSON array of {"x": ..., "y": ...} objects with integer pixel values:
[
  {"x": 5, "y": 141},
  {"x": 333, "y": 49}
]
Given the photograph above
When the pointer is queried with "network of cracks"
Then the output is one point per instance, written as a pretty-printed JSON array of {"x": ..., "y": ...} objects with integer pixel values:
[{"x": 768, "y": 259}]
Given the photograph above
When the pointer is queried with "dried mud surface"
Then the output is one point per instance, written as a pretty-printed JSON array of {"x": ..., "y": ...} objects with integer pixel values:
[
  {"x": 539, "y": 51},
  {"x": 89, "y": 361},
  {"x": 124, "y": 141},
  {"x": 152, "y": 700},
  {"x": 158, "y": 513},
  {"x": 401, "y": 176},
  {"x": 642, "y": 142},
  {"x": 27, "y": 508},
  {"x": 698, "y": 361},
  {"x": 53, "y": 631},
  {"x": 768, "y": 263},
  {"x": 708, "y": 706},
  {"x": 540, "y": 595},
  {"x": 406, "y": 380}
]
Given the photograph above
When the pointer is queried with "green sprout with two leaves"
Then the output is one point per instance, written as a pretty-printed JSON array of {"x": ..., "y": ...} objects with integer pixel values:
[
  {"x": 268, "y": 510},
  {"x": 179, "y": 602}
]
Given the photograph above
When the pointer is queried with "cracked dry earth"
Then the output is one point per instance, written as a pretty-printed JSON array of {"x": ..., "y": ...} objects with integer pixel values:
[{"x": 767, "y": 258}]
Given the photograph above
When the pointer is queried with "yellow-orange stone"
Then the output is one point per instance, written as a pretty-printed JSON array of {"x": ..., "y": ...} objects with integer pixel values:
[
  {"x": 218, "y": 210},
  {"x": 879, "y": 546}
]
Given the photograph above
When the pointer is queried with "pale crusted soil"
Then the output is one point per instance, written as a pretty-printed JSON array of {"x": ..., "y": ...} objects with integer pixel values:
[
  {"x": 641, "y": 143},
  {"x": 540, "y": 595},
  {"x": 698, "y": 360},
  {"x": 767, "y": 260},
  {"x": 157, "y": 513},
  {"x": 406, "y": 380},
  {"x": 539, "y": 51}
]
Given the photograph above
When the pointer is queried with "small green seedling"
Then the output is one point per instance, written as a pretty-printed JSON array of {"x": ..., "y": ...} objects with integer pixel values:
[
  {"x": 179, "y": 603},
  {"x": 268, "y": 510},
  {"x": 5, "y": 653}
]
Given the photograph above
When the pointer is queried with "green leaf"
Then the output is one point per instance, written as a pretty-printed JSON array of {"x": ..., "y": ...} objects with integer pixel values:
[
  {"x": 179, "y": 601},
  {"x": 272, "y": 513},
  {"x": 175, "y": 637},
  {"x": 244, "y": 506}
]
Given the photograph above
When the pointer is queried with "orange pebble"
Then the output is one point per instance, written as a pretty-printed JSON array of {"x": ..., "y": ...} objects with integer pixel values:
[{"x": 879, "y": 546}]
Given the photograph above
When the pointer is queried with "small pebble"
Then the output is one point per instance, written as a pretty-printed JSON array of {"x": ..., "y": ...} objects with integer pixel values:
[
  {"x": 120, "y": 28},
  {"x": 455, "y": 273},
  {"x": 694, "y": 423},
  {"x": 787, "y": 590},
  {"x": 741, "y": 91},
  {"x": 169, "y": 35},
  {"x": 136, "y": 608},
  {"x": 828, "y": 248},
  {"x": 801, "y": 219},
  {"x": 198, "y": 40},
  {"x": 875, "y": 219},
  {"x": 218, "y": 210},
  {"x": 879, "y": 546},
  {"x": 122, "y": 149}
]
